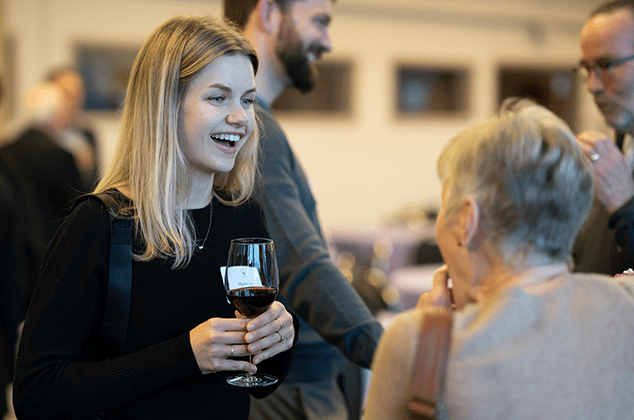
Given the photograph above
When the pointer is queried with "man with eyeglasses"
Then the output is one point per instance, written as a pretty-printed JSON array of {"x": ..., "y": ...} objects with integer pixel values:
[{"x": 607, "y": 66}]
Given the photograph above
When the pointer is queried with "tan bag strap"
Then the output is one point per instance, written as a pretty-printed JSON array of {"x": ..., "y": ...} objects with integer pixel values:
[{"x": 431, "y": 363}]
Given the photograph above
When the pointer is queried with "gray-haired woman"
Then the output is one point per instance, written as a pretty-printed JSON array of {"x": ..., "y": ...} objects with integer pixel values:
[{"x": 530, "y": 340}]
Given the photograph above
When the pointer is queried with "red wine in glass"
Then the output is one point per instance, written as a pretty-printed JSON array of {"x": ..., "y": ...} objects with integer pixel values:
[
  {"x": 251, "y": 281},
  {"x": 252, "y": 301}
]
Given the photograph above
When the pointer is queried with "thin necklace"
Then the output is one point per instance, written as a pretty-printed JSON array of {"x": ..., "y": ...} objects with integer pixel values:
[{"x": 211, "y": 212}]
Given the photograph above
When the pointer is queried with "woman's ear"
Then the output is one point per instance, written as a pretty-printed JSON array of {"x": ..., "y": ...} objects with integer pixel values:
[{"x": 469, "y": 221}]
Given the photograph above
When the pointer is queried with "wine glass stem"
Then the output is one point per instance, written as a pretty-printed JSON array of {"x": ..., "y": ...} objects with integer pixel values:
[{"x": 249, "y": 376}]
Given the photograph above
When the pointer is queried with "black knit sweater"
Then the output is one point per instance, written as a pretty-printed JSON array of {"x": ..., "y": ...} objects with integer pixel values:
[{"x": 62, "y": 370}]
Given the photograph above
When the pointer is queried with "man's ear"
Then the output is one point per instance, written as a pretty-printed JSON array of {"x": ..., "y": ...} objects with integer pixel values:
[
  {"x": 268, "y": 15},
  {"x": 469, "y": 221}
]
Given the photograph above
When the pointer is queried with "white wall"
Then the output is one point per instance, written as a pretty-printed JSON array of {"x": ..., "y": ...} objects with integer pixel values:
[{"x": 370, "y": 164}]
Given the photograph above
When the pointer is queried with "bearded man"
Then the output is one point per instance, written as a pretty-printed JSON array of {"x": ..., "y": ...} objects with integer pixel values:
[{"x": 335, "y": 324}]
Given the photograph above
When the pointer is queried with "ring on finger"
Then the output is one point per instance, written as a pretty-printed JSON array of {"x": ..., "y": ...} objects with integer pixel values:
[
  {"x": 232, "y": 351},
  {"x": 594, "y": 156},
  {"x": 281, "y": 323}
]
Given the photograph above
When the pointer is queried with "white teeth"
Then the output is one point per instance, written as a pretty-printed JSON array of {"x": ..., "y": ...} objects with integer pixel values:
[{"x": 227, "y": 137}]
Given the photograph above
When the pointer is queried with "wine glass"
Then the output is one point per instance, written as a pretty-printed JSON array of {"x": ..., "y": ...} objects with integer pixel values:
[{"x": 251, "y": 281}]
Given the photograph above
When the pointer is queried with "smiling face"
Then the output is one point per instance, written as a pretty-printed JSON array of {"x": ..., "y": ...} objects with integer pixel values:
[
  {"x": 607, "y": 37},
  {"x": 216, "y": 115},
  {"x": 303, "y": 37}
]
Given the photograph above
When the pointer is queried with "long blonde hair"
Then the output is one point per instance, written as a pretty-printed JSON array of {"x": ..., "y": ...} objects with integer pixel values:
[{"x": 148, "y": 159}]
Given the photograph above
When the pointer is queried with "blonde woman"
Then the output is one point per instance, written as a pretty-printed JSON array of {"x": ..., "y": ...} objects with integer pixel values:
[
  {"x": 183, "y": 170},
  {"x": 530, "y": 340}
]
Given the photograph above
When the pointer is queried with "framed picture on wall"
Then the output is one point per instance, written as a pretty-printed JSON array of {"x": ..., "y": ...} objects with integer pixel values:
[
  {"x": 424, "y": 90},
  {"x": 555, "y": 88},
  {"x": 105, "y": 70},
  {"x": 331, "y": 95}
]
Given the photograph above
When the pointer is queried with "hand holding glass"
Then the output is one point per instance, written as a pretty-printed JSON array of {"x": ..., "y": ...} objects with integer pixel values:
[{"x": 251, "y": 282}]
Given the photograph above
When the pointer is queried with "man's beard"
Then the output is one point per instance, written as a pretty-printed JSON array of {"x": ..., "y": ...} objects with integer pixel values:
[{"x": 291, "y": 53}]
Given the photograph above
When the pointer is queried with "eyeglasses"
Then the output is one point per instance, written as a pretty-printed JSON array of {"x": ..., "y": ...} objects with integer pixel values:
[{"x": 601, "y": 68}]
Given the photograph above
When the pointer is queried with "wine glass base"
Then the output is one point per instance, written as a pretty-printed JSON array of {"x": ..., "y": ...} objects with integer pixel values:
[{"x": 252, "y": 381}]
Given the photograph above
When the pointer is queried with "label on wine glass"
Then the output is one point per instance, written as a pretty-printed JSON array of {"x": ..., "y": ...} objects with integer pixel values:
[{"x": 241, "y": 276}]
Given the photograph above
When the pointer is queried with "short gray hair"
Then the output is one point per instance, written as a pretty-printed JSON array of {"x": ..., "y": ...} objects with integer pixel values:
[{"x": 529, "y": 177}]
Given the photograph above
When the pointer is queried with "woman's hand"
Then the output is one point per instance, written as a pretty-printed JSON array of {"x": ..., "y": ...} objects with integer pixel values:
[
  {"x": 440, "y": 295},
  {"x": 270, "y": 333},
  {"x": 216, "y": 340}
]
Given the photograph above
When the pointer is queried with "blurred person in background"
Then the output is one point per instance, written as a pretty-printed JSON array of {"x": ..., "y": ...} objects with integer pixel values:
[
  {"x": 9, "y": 281},
  {"x": 607, "y": 65},
  {"x": 77, "y": 137},
  {"x": 289, "y": 36},
  {"x": 44, "y": 177},
  {"x": 530, "y": 340},
  {"x": 9, "y": 286}
]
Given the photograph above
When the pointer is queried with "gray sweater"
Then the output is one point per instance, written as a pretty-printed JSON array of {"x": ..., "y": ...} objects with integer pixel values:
[{"x": 565, "y": 353}]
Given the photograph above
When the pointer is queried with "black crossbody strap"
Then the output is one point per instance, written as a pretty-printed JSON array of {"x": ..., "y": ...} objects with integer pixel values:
[
  {"x": 114, "y": 326},
  {"x": 117, "y": 306}
]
